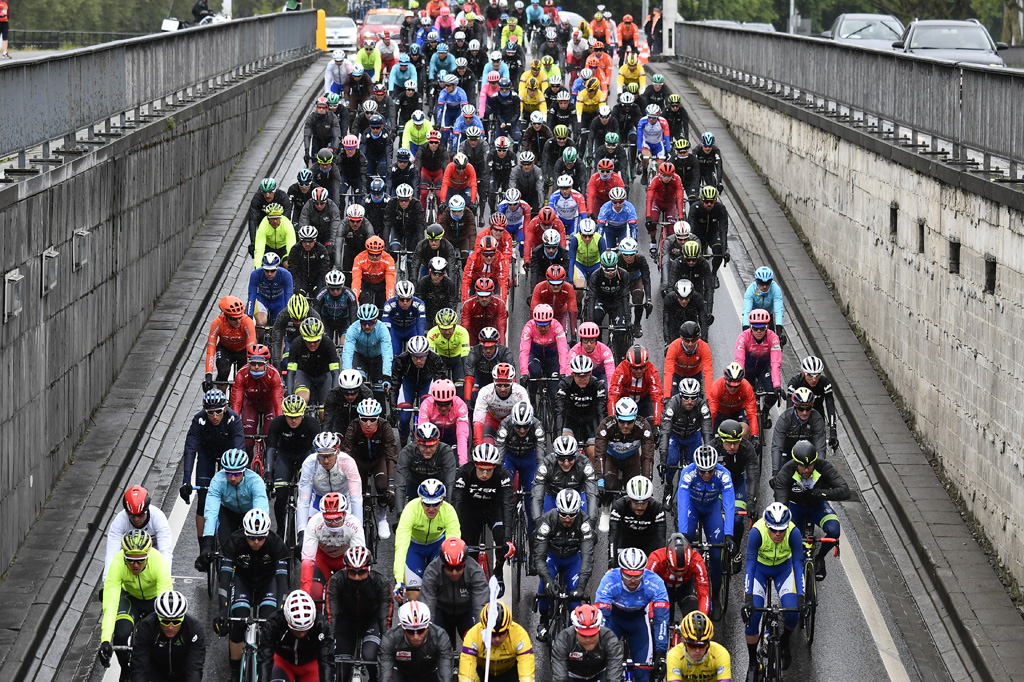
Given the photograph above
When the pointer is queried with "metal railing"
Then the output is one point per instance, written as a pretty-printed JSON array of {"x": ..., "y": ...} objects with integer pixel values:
[
  {"x": 21, "y": 39},
  {"x": 966, "y": 107},
  {"x": 53, "y": 97}
]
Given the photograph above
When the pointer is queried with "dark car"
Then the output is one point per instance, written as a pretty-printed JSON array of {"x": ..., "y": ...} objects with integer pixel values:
[
  {"x": 956, "y": 41},
  {"x": 877, "y": 31}
]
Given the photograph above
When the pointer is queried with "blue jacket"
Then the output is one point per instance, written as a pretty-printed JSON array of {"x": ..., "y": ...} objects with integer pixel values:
[
  {"x": 403, "y": 320},
  {"x": 398, "y": 77},
  {"x": 461, "y": 124},
  {"x": 206, "y": 440},
  {"x": 502, "y": 72},
  {"x": 377, "y": 342},
  {"x": 614, "y": 597},
  {"x": 753, "y": 299},
  {"x": 268, "y": 291},
  {"x": 422, "y": 33},
  {"x": 609, "y": 215},
  {"x": 534, "y": 13},
  {"x": 449, "y": 107},
  {"x": 438, "y": 64},
  {"x": 250, "y": 493},
  {"x": 693, "y": 491}
]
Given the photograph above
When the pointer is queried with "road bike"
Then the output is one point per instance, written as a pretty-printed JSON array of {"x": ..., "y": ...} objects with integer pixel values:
[
  {"x": 521, "y": 540},
  {"x": 249, "y": 670},
  {"x": 258, "y": 459},
  {"x": 769, "y": 646},
  {"x": 809, "y": 614},
  {"x": 544, "y": 402},
  {"x": 704, "y": 547},
  {"x": 373, "y": 501}
]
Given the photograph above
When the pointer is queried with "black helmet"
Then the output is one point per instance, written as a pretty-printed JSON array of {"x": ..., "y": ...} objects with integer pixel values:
[
  {"x": 804, "y": 452},
  {"x": 689, "y": 330}
]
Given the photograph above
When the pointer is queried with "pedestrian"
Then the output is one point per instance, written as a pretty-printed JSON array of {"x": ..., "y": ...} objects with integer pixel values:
[
  {"x": 656, "y": 31},
  {"x": 4, "y": 24}
]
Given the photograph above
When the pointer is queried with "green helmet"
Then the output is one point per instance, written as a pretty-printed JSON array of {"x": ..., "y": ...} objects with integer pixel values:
[
  {"x": 609, "y": 260},
  {"x": 333, "y": 99},
  {"x": 268, "y": 185},
  {"x": 633, "y": 88},
  {"x": 569, "y": 155},
  {"x": 446, "y": 318},
  {"x": 561, "y": 131},
  {"x": 611, "y": 138},
  {"x": 657, "y": 78}
]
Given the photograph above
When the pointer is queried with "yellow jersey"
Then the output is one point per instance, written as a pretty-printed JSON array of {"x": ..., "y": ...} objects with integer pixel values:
[
  {"x": 456, "y": 346},
  {"x": 716, "y": 665},
  {"x": 587, "y": 104},
  {"x": 516, "y": 650}
]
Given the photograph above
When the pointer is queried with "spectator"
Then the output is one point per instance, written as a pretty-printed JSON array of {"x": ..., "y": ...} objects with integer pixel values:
[{"x": 4, "y": 23}]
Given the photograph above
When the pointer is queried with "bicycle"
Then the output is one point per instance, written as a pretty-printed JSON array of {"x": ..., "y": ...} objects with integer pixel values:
[
  {"x": 670, "y": 491},
  {"x": 544, "y": 402},
  {"x": 809, "y": 614},
  {"x": 225, "y": 386},
  {"x": 403, "y": 258},
  {"x": 521, "y": 540},
  {"x": 764, "y": 422},
  {"x": 558, "y": 616},
  {"x": 360, "y": 668},
  {"x": 213, "y": 569},
  {"x": 289, "y": 533},
  {"x": 371, "y": 505},
  {"x": 620, "y": 338},
  {"x": 316, "y": 411},
  {"x": 258, "y": 461},
  {"x": 628, "y": 666},
  {"x": 704, "y": 548},
  {"x": 769, "y": 646},
  {"x": 430, "y": 210},
  {"x": 249, "y": 670}
]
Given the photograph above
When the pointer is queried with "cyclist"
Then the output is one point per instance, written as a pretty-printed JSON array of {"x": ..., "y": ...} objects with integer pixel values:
[
  {"x": 431, "y": 160},
  {"x": 774, "y": 555},
  {"x": 368, "y": 346},
  {"x": 665, "y": 202},
  {"x": 567, "y": 468},
  {"x": 371, "y": 442},
  {"x": 744, "y": 465},
  {"x": 289, "y": 440},
  {"x": 548, "y": 254},
  {"x": 564, "y": 555},
  {"x": 522, "y": 443},
  {"x": 613, "y": 151},
  {"x": 608, "y": 292},
  {"x": 414, "y": 370},
  {"x": 799, "y": 422},
  {"x": 424, "y": 525},
  {"x": 688, "y": 357},
  {"x": 137, "y": 576},
  {"x": 686, "y": 164},
  {"x": 628, "y": 37},
  {"x": 695, "y": 268},
  {"x": 545, "y": 219},
  {"x": 807, "y": 484},
  {"x": 709, "y": 221},
  {"x": 636, "y": 377},
  {"x": 617, "y": 218},
  {"x": 459, "y": 181},
  {"x": 590, "y": 346},
  {"x": 449, "y": 413},
  {"x": 340, "y": 408},
  {"x": 636, "y": 520},
  {"x": 312, "y": 363},
  {"x": 683, "y": 304},
  {"x": 624, "y": 445},
  {"x": 477, "y": 150},
  {"x": 689, "y": 426},
  {"x": 589, "y": 102},
  {"x": 426, "y": 458},
  {"x": 415, "y": 650},
  {"x": 450, "y": 101},
  {"x": 254, "y": 571},
  {"x": 765, "y": 294},
  {"x": 482, "y": 497},
  {"x": 326, "y": 538},
  {"x": 552, "y": 153},
  {"x": 543, "y": 351},
  {"x": 404, "y": 219},
  {"x": 454, "y": 590},
  {"x": 652, "y": 139},
  {"x": 631, "y": 72},
  {"x": 516, "y": 213},
  {"x": 214, "y": 430},
  {"x": 234, "y": 490},
  {"x": 437, "y": 290},
  {"x": 600, "y": 127},
  {"x": 270, "y": 288},
  {"x": 495, "y": 402},
  {"x": 697, "y": 658},
  {"x": 321, "y": 129},
  {"x": 433, "y": 245},
  {"x": 500, "y": 163},
  {"x": 731, "y": 397},
  {"x": 710, "y": 158},
  {"x": 358, "y": 609},
  {"x": 170, "y": 643},
  {"x": 759, "y": 350},
  {"x": 562, "y": 112},
  {"x": 685, "y": 575},
  {"x": 257, "y": 393},
  {"x": 600, "y": 185},
  {"x": 527, "y": 180},
  {"x": 328, "y": 469},
  {"x": 555, "y": 293},
  {"x": 586, "y": 651},
  {"x": 268, "y": 193},
  {"x": 510, "y": 651},
  {"x": 296, "y": 643},
  {"x": 373, "y": 273},
  {"x": 625, "y": 595},
  {"x": 504, "y": 108},
  {"x": 484, "y": 310},
  {"x": 579, "y": 402},
  {"x": 327, "y": 173},
  {"x": 639, "y": 272},
  {"x": 323, "y": 215},
  {"x": 812, "y": 376},
  {"x": 231, "y": 334},
  {"x": 138, "y": 515},
  {"x": 417, "y": 129},
  {"x": 450, "y": 340},
  {"x": 706, "y": 496},
  {"x": 481, "y": 361},
  {"x": 570, "y": 206},
  {"x": 308, "y": 261},
  {"x": 404, "y": 315}
]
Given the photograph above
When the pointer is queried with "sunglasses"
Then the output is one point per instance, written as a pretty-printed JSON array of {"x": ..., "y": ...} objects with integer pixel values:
[
  {"x": 357, "y": 571},
  {"x": 567, "y": 458},
  {"x": 566, "y": 516},
  {"x": 803, "y": 408},
  {"x": 417, "y": 631},
  {"x": 171, "y": 621},
  {"x": 214, "y": 413},
  {"x": 368, "y": 420},
  {"x": 234, "y": 474},
  {"x": 443, "y": 403},
  {"x": 733, "y": 383},
  {"x": 136, "y": 560},
  {"x": 455, "y": 569},
  {"x": 696, "y": 645},
  {"x": 431, "y": 506}
]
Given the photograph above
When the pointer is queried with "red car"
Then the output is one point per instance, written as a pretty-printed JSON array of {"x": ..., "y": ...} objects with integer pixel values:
[{"x": 378, "y": 20}]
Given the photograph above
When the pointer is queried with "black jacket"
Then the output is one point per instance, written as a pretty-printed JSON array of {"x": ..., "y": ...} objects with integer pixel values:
[{"x": 181, "y": 658}]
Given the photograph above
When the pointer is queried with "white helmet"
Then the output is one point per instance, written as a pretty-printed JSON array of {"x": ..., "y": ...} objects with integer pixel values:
[
  {"x": 339, "y": 55},
  {"x": 405, "y": 289},
  {"x": 568, "y": 502},
  {"x": 684, "y": 288},
  {"x": 486, "y": 453},
  {"x": 299, "y": 611},
  {"x": 456, "y": 203},
  {"x": 565, "y": 446},
  {"x": 639, "y": 489},
  {"x": 812, "y": 365},
  {"x": 256, "y": 523},
  {"x": 705, "y": 457},
  {"x": 350, "y": 379},
  {"x": 632, "y": 560},
  {"x": 581, "y": 364},
  {"x": 414, "y": 615}
]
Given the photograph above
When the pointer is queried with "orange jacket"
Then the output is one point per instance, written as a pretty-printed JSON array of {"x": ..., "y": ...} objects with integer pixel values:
[
  {"x": 677, "y": 362},
  {"x": 231, "y": 339},
  {"x": 600, "y": 29},
  {"x": 648, "y": 386},
  {"x": 374, "y": 272},
  {"x": 534, "y": 231},
  {"x": 505, "y": 245},
  {"x": 434, "y": 8},
  {"x": 720, "y": 400},
  {"x": 627, "y": 32},
  {"x": 453, "y": 179},
  {"x": 562, "y": 302}
]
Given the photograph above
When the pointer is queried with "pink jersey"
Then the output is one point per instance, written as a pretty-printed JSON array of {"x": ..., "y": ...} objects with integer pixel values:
[
  {"x": 745, "y": 343},
  {"x": 602, "y": 355},
  {"x": 489, "y": 90},
  {"x": 555, "y": 336},
  {"x": 457, "y": 416}
]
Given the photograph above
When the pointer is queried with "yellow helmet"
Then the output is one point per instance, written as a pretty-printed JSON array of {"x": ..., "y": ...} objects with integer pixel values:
[
  {"x": 535, "y": 65},
  {"x": 696, "y": 627},
  {"x": 631, "y": 59},
  {"x": 532, "y": 84},
  {"x": 298, "y": 307},
  {"x": 503, "y": 621},
  {"x": 593, "y": 84}
]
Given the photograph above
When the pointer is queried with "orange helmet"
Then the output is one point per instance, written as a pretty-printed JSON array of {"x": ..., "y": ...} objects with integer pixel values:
[
  {"x": 547, "y": 216},
  {"x": 375, "y": 244},
  {"x": 232, "y": 306}
]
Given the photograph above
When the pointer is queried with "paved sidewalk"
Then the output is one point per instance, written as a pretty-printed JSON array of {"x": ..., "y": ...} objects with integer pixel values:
[
  {"x": 131, "y": 422},
  {"x": 979, "y": 631}
]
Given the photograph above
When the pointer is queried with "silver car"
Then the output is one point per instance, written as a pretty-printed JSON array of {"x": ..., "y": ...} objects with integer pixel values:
[
  {"x": 877, "y": 31},
  {"x": 956, "y": 41},
  {"x": 341, "y": 32}
]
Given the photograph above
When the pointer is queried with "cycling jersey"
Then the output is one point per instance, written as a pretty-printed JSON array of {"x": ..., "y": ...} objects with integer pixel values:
[
  {"x": 589, "y": 101},
  {"x": 250, "y": 493},
  {"x": 266, "y": 566},
  {"x": 562, "y": 302},
  {"x": 598, "y": 188},
  {"x": 679, "y": 363},
  {"x": 333, "y": 542},
  {"x": 478, "y": 502},
  {"x": 315, "y": 481},
  {"x": 716, "y": 665},
  {"x": 571, "y": 661},
  {"x": 449, "y": 104},
  {"x": 273, "y": 238},
  {"x": 156, "y": 525},
  {"x": 789, "y": 429},
  {"x": 414, "y": 526},
  {"x": 623, "y": 383},
  {"x": 318, "y": 363},
  {"x": 492, "y": 409},
  {"x": 604, "y": 361},
  {"x": 722, "y": 402},
  {"x": 824, "y": 398},
  {"x": 455, "y": 346},
  {"x": 652, "y": 135},
  {"x": 402, "y": 662},
  {"x": 455, "y": 179},
  {"x": 508, "y": 31},
  {"x": 554, "y": 335},
  {"x": 683, "y": 423},
  {"x": 404, "y": 323},
  {"x": 475, "y": 316},
  {"x": 413, "y": 468},
  {"x": 363, "y": 604},
  {"x": 749, "y": 349},
  {"x": 568, "y": 207},
  {"x": 771, "y": 301},
  {"x": 376, "y": 343},
  {"x": 612, "y": 442},
  {"x": 439, "y": 64},
  {"x": 280, "y": 649},
  {"x": 479, "y": 366},
  {"x": 467, "y": 594},
  {"x": 663, "y": 196},
  {"x": 550, "y": 479},
  {"x": 273, "y": 294},
  {"x": 628, "y": 75},
  {"x": 616, "y": 220},
  {"x": 229, "y": 338},
  {"x": 457, "y": 417},
  {"x": 264, "y": 394},
  {"x": 366, "y": 271},
  {"x": 612, "y": 597},
  {"x": 154, "y": 579},
  {"x": 695, "y": 570},
  {"x": 414, "y": 136},
  {"x": 370, "y": 61},
  {"x": 697, "y": 494},
  {"x": 515, "y": 651},
  {"x": 629, "y": 529}
]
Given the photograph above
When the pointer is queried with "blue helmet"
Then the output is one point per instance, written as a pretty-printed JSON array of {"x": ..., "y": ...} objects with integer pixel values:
[
  {"x": 708, "y": 139},
  {"x": 414, "y": 49},
  {"x": 367, "y": 312},
  {"x": 764, "y": 274},
  {"x": 404, "y": 59},
  {"x": 442, "y": 47},
  {"x": 305, "y": 176},
  {"x": 377, "y": 186},
  {"x": 369, "y": 408},
  {"x": 234, "y": 460},
  {"x": 777, "y": 516},
  {"x": 214, "y": 399}
]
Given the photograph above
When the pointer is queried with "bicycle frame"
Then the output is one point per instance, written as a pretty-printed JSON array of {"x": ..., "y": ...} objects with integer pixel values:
[{"x": 249, "y": 670}]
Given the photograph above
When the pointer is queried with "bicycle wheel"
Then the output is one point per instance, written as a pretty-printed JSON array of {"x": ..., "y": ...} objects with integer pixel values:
[
  {"x": 370, "y": 526},
  {"x": 775, "y": 659},
  {"x": 257, "y": 457},
  {"x": 211, "y": 575},
  {"x": 723, "y": 594},
  {"x": 248, "y": 673},
  {"x": 811, "y": 601},
  {"x": 520, "y": 559}
]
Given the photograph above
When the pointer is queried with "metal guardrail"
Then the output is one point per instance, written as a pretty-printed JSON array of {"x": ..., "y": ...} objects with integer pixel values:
[
  {"x": 23, "y": 38},
  {"x": 55, "y": 96},
  {"x": 965, "y": 106}
]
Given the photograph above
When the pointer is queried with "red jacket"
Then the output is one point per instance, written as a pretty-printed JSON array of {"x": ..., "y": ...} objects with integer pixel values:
[
  {"x": 477, "y": 268},
  {"x": 623, "y": 384},
  {"x": 265, "y": 393},
  {"x": 677, "y": 362},
  {"x": 695, "y": 570},
  {"x": 534, "y": 230},
  {"x": 475, "y": 317},
  {"x": 666, "y": 194},
  {"x": 720, "y": 400},
  {"x": 505, "y": 244},
  {"x": 597, "y": 191},
  {"x": 455, "y": 180},
  {"x": 563, "y": 303}
]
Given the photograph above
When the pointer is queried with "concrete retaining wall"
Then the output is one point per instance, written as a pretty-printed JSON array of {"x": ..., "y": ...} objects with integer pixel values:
[
  {"x": 952, "y": 350},
  {"x": 142, "y": 198}
]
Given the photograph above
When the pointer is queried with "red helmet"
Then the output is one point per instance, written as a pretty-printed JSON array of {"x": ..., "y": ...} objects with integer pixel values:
[
  {"x": 136, "y": 500},
  {"x": 606, "y": 164},
  {"x": 385, "y": 35},
  {"x": 666, "y": 168},
  {"x": 434, "y": 136},
  {"x": 488, "y": 243},
  {"x": 321, "y": 102},
  {"x": 637, "y": 356},
  {"x": 547, "y": 216},
  {"x": 503, "y": 373},
  {"x": 499, "y": 220},
  {"x": 453, "y": 552},
  {"x": 485, "y": 285},
  {"x": 586, "y": 618},
  {"x": 677, "y": 552},
  {"x": 556, "y": 273},
  {"x": 589, "y": 330},
  {"x": 259, "y": 352},
  {"x": 375, "y": 244}
]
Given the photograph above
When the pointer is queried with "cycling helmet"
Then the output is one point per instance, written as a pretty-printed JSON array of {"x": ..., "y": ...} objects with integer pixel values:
[
  {"x": 677, "y": 552},
  {"x": 586, "y": 74},
  {"x": 543, "y": 314},
  {"x": 804, "y": 453},
  {"x": 474, "y": 132},
  {"x": 628, "y": 246},
  {"x": 357, "y": 557},
  {"x": 708, "y": 139},
  {"x": 689, "y": 388},
  {"x": 414, "y": 615},
  {"x": 293, "y": 406},
  {"x": 631, "y": 60},
  {"x": 653, "y": 110},
  {"x": 438, "y": 264},
  {"x": 607, "y": 165},
  {"x": 456, "y": 203},
  {"x": 333, "y": 506},
  {"x": 307, "y": 233},
  {"x": 367, "y": 312},
  {"x": 550, "y": 236},
  {"x": 637, "y": 356},
  {"x": 587, "y": 619},
  {"x": 627, "y": 98},
  {"x": 502, "y": 618},
  {"x": 730, "y": 431},
  {"x": 609, "y": 260},
  {"x": 680, "y": 144},
  {"x": 589, "y": 330},
  {"x": 555, "y": 274},
  {"x": 271, "y": 262},
  {"x": 569, "y": 155},
  {"x": 666, "y": 169},
  {"x": 299, "y": 611},
  {"x": 137, "y": 542},
  {"x": 355, "y": 212},
  {"x": 705, "y": 457},
  {"x": 376, "y": 121},
  {"x": 503, "y": 373},
  {"x": 427, "y": 434},
  {"x": 696, "y": 627},
  {"x": 326, "y": 442},
  {"x": 234, "y": 460},
  {"x": 431, "y": 491},
  {"x": 626, "y": 409},
  {"x": 657, "y": 78},
  {"x": 338, "y": 55},
  {"x": 803, "y": 397},
  {"x": 812, "y": 365},
  {"x": 502, "y": 143},
  {"x": 350, "y": 380},
  {"x": 555, "y": 81},
  {"x": 537, "y": 118},
  {"x": 733, "y": 372},
  {"x": 689, "y": 330},
  {"x": 691, "y": 249},
  {"x": 368, "y": 407},
  {"x": 498, "y": 221},
  {"x": 232, "y": 306},
  {"x": 564, "y": 182},
  {"x": 268, "y": 185},
  {"x": 504, "y": 83},
  {"x": 256, "y": 523},
  {"x": 616, "y": 193},
  {"x": 488, "y": 336},
  {"x": 351, "y": 141},
  {"x": 581, "y": 364},
  {"x": 588, "y": 226},
  {"x": 604, "y": 111},
  {"x": 404, "y": 191},
  {"x": 170, "y": 605},
  {"x": 777, "y": 516},
  {"x": 311, "y": 329},
  {"x": 259, "y": 353},
  {"x": 453, "y": 552},
  {"x": 489, "y": 244},
  {"x": 568, "y": 502},
  {"x": 632, "y": 561},
  {"x": 333, "y": 100},
  {"x": 565, "y": 446},
  {"x": 759, "y": 318},
  {"x": 415, "y": 49},
  {"x": 708, "y": 193},
  {"x": 684, "y": 288},
  {"x": 305, "y": 176},
  {"x": 442, "y": 48},
  {"x": 461, "y": 62},
  {"x": 487, "y": 455},
  {"x": 418, "y": 346},
  {"x": 298, "y": 306},
  {"x": 764, "y": 274},
  {"x": 522, "y": 413},
  {"x": 443, "y": 391},
  {"x": 474, "y": 45},
  {"x": 214, "y": 399},
  {"x": 320, "y": 196},
  {"x": 639, "y": 489},
  {"x": 446, "y": 318},
  {"x": 369, "y": 44},
  {"x": 274, "y": 210},
  {"x": 561, "y": 131},
  {"x": 136, "y": 500},
  {"x": 593, "y": 85},
  {"x": 325, "y": 157},
  {"x": 405, "y": 289}
]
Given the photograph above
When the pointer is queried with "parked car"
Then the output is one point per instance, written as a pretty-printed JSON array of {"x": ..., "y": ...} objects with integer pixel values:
[
  {"x": 877, "y": 31},
  {"x": 377, "y": 20},
  {"x": 956, "y": 41},
  {"x": 341, "y": 32},
  {"x": 763, "y": 27}
]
